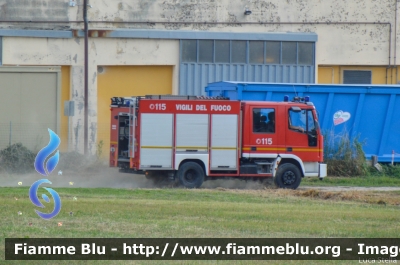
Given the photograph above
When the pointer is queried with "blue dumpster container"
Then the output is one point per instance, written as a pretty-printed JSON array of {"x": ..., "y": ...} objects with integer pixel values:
[{"x": 371, "y": 112}]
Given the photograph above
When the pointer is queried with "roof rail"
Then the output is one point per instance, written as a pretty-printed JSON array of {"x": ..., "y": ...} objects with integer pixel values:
[
  {"x": 184, "y": 97},
  {"x": 217, "y": 97},
  {"x": 169, "y": 97},
  {"x": 126, "y": 101}
]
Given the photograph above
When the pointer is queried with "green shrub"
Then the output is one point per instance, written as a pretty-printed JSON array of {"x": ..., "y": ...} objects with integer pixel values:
[
  {"x": 99, "y": 149},
  {"x": 17, "y": 159},
  {"x": 387, "y": 170},
  {"x": 344, "y": 155},
  {"x": 393, "y": 171}
]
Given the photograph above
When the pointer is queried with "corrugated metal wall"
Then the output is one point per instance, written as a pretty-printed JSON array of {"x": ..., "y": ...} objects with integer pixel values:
[{"x": 194, "y": 77}]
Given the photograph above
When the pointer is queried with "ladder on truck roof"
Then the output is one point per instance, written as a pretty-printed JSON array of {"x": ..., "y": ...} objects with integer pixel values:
[{"x": 132, "y": 126}]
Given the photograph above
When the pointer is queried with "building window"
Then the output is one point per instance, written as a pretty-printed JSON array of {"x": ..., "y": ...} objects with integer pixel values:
[
  {"x": 189, "y": 51},
  {"x": 357, "y": 77},
  {"x": 273, "y": 52},
  {"x": 206, "y": 48},
  {"x": 222, "y": 48},
  {"x": 256, "y": 52},
  {"x": 289, "y": 51},
  {"x": 305, "y": 53},
  {"x": 247, "y": 52},
  {"x": 238, "y": 51}
]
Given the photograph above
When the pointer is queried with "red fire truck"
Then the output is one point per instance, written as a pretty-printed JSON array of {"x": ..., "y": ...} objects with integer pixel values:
[{"x": 193, "y": 138}]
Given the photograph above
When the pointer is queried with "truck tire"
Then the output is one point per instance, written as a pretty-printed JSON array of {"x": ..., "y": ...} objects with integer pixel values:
[
  {"x": 288, "y": 176},
  {"x": 191, "y": 175}
]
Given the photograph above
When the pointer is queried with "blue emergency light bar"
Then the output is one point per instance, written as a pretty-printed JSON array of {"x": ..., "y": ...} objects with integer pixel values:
[
  {"x": 286, "y": 98},
  {"x": 297, "y": 99}
]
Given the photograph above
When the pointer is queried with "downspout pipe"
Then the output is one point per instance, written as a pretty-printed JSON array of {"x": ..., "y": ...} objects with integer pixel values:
[
  {"x": 86, "y": 80},
  {"x": 395, "y": 42},
  {"x": 389, "y": 67}
]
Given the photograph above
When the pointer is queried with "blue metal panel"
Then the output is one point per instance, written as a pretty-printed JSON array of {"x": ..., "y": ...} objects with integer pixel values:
[
  {"x": 393, "y": 123},
  {"x": 372, "y": 120},
  {"x": 373, "y": 109}
]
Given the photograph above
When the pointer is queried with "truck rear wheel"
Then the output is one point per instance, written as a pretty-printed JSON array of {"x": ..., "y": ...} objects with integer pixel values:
[
  {"x": 288, "y": 176},
  {"x": 191, "y": 175}
]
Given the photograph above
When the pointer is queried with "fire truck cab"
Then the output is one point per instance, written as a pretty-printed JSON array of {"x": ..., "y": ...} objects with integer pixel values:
[{"x": 195, "y": 138}]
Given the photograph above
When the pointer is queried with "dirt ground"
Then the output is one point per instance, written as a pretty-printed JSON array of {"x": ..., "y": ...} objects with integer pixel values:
[{"x": 111, "y": 178}]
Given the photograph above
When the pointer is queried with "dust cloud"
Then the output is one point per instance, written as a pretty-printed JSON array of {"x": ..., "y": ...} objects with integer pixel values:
[{"x": 106, "y": 177}]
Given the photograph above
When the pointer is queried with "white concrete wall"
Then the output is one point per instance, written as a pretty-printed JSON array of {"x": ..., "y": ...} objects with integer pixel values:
[
  {"x": 350, "y": 43},
  {"x": 340, "y": 44}
]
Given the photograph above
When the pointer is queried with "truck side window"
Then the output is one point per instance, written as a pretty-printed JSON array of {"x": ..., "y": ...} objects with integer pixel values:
[
  {"x": 311, "y": 121},
  {"x": 298, "y": 120},
  {"x": 263, "y": 120}
]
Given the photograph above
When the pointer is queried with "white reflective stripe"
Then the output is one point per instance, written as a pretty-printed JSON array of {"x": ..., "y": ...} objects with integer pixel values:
[{"x": 259, "y": 155}]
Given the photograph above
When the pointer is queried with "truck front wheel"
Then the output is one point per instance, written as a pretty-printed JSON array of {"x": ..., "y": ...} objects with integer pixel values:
[
  {"x": 288, "y": 176},
  {"x": 191, "y": 175}
]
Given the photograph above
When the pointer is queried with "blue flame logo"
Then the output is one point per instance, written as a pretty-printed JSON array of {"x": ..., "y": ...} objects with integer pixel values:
[
  {"x": 45, "y": 152},
  {"x": 35, "y": 200},
  {"x": 51, "y": 164}
]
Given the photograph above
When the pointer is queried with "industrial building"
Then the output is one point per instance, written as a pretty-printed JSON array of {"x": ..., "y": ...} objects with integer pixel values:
[{"x": 174, "y": 47}]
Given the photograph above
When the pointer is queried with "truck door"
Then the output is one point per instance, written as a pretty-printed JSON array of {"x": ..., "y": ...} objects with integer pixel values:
[
  {"x": 301, "y": 136},
  {"x": 156, "y": 144},
  {"x": 224, "y": 141},
  {"x": 264, "y": 132}
]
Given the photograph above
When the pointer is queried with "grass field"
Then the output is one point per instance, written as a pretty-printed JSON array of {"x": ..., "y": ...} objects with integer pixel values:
[
  {"x": 153, "y": 213},
  {"x": 367, "y": 181}
]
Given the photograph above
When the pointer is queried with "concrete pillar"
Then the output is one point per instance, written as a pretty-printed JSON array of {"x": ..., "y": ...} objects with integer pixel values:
[{"x": 76, "y": 121}]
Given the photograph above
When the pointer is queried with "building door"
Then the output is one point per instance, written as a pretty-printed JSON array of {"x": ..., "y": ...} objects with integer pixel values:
[
  {"x": 29, "y": 105},
  {"x": 127, "y": 81}
]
